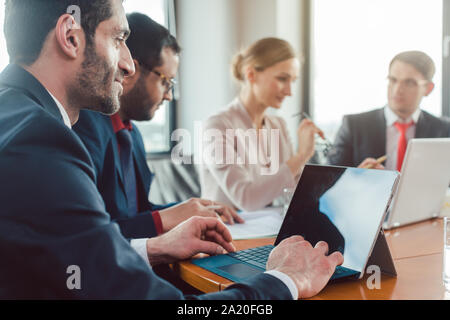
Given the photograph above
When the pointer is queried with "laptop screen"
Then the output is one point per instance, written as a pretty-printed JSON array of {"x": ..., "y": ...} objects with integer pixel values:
[{"x": 342, "y": 206}]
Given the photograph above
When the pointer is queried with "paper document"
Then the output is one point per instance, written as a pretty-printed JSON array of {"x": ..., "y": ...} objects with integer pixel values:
[{"x": 258, "y": 224}]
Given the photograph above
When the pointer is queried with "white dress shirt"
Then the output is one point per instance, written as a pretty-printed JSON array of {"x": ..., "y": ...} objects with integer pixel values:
[
  {"x": 63, "y": 112},
  {"x": 392, "y": 134}
]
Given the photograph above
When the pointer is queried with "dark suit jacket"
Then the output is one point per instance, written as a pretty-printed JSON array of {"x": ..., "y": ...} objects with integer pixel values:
[
  {"x": 52, "y": 215},
  {"x": 364, "y": 135},
  {"x": 97, "y": 133}
]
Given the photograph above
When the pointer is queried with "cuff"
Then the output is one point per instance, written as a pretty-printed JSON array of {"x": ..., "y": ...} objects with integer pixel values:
[
  {"x": 158, "y": 222},
  {"x": 140, "y": 245},
  {"x": 286, "y": 280}
]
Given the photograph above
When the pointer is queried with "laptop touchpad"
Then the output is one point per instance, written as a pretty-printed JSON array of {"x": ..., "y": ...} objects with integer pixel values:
[{"x": 240, "y": 270}]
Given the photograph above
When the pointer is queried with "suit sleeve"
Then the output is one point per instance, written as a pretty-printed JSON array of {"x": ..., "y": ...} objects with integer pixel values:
[
  {"x": 63, "y": 223},
  {"x": 88, "y": 128},
  {"x": 342, "y": 151},
  {"x": 53, "y": 218}
]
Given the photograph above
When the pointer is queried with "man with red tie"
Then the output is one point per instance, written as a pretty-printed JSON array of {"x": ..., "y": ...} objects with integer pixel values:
[{"x": 365, "y": 137}]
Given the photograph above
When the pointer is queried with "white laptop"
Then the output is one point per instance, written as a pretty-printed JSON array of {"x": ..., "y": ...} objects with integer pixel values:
[{"x": 423, "y": 183}]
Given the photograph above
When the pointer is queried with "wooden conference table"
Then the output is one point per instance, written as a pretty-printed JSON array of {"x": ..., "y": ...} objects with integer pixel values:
[{"x": 417, "y": 251}]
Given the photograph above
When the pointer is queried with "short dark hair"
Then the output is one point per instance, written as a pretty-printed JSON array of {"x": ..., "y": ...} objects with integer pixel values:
[
  {"x": 28, "y": 23},
  {"x": 419, "y": 60},
  {"x": 147, "y": 40}
]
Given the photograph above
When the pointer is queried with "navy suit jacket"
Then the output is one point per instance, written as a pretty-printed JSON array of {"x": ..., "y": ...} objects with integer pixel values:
[
  {"x": 97, "y": 133},
  {"x": 53, "y": 217},
  {"x": 364, "y": 135}
]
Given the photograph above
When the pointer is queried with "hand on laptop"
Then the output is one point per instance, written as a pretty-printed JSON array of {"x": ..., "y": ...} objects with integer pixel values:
[
  {"x": 310, "y": 268},
  {"x": 173, "y": 216},
  {"x": 195, "y": 235}
]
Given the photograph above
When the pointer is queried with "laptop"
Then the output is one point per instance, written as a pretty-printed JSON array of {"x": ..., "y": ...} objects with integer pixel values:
[
  {"x": 343, "y": 206},
  {"x": 423, "y": 183}
]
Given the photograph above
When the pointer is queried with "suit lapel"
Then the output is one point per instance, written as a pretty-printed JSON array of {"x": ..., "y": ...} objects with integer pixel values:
[
  {"x": 423, "y": 126},
  {"x": 144, "y": 175},
  {"x": 380, "y": 134},
  {"x": 16, "y": 77},
  {"x": 117, "y": 163}
]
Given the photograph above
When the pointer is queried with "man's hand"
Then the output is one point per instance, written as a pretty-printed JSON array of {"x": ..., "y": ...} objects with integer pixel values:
[
  {"x": 196, "y": 235},
  {"x": 308, "y": 267},
  {"x": 173, "y": 216},
  {"x": 371, "y": 163}
]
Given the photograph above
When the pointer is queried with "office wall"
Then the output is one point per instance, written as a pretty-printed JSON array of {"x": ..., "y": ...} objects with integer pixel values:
[{"x": 210, "y": 32}]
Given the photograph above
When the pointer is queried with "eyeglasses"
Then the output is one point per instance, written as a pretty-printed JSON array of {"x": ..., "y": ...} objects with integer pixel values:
[
  {"x": 408, "y": 83},
  {"x": 167, "y": 82}
]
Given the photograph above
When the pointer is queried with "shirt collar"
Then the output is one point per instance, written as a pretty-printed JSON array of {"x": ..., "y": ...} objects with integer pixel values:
[
  {"x": 118, "y": 124},
  {"x": 245, "y": 112},
  {"x": 63, "y": 112},
  {"x": 391, "y": 117}
]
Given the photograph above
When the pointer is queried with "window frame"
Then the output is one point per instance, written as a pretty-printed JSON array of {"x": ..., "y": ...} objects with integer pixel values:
[{"x": 171, "y": 118}]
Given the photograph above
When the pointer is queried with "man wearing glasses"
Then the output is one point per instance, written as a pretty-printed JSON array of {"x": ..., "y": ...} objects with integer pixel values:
[
  {"x": 116, "y": 145},
  {"x": 385, "y": 132}
]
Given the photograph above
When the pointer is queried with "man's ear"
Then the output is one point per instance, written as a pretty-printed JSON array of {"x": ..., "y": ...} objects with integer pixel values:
[
  {"x": 429, "y": 89},
  {"x": 69, "y": 36}
]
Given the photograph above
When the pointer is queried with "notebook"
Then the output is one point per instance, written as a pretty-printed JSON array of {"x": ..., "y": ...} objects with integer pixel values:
[{"x": 343, "y": 206}]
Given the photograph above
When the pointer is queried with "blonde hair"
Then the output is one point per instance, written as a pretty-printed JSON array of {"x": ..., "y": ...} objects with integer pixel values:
[{"x": 262, "y": 55}]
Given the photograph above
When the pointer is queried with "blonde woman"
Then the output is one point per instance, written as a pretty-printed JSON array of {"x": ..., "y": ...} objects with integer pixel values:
[{"x": 244, "y": 131}]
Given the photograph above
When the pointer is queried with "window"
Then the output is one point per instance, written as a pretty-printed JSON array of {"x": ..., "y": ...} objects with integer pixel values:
[
  {"x": 156, "y": 133},
  {"x": 353, "y": 44}
]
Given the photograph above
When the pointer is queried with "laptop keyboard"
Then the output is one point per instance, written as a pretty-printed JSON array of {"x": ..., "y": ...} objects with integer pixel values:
[
  {"x": 258, "y": 258},
  {"x": 255, "y": 256}
]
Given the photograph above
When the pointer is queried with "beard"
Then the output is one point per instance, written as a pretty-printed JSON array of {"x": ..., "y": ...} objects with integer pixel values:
[
  {"x": 137, "y": 104},
  {"x": 94, "y": 85}
]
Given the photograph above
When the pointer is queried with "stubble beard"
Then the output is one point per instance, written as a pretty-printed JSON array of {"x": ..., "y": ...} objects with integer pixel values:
[{"x": 93, "y": 88}]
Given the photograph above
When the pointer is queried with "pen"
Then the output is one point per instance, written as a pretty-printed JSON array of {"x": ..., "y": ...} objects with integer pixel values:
[
  {"x": 328, "y": 143},
  {"x": 301, "y": 113},
  {"x": 380, "y": 160}
]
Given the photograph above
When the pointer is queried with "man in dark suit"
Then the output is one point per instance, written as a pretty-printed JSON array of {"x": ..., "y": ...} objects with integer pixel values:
[
  {"x": 155, "y": 55},
  {"x": 364, "y": 137},
  {"x": 56, "y": 239}
]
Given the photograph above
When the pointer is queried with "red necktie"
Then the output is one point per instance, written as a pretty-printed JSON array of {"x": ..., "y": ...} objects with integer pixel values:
[{"x": 402, "y": 143}]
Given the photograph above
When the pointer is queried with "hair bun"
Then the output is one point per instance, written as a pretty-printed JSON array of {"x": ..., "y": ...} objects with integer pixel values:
[{"x": 236, "y": 66}]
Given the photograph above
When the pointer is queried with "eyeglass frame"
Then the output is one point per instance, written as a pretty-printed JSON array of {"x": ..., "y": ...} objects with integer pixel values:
[{"x": 169, "y": 83}]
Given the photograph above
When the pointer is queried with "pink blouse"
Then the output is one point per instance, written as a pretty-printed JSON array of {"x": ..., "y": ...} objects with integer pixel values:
[{"x": 242, "y": 166}]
